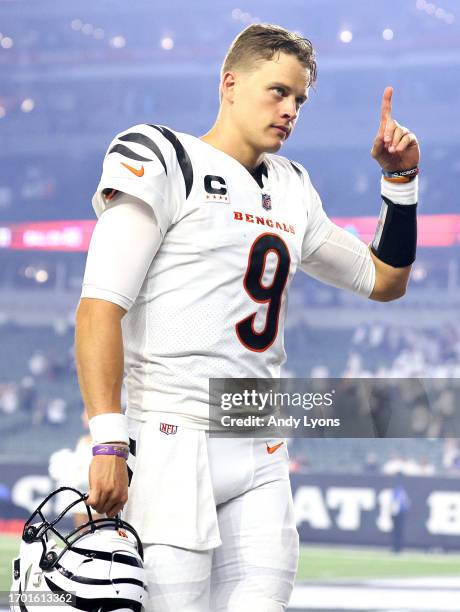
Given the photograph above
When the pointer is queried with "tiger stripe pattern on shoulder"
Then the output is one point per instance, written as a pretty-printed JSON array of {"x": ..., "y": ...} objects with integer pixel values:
[{"x": 183, "y": 158}]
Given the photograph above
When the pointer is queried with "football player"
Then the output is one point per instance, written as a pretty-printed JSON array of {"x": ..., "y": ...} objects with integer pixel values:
[{"x": 190, "y": 263}]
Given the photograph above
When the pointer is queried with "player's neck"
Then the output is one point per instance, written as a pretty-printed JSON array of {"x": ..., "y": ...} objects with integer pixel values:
[{"x": 235, "y": 147}]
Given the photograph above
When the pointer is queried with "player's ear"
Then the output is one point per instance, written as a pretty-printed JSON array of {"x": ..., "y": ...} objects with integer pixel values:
[{"x": 227, "y": 87}]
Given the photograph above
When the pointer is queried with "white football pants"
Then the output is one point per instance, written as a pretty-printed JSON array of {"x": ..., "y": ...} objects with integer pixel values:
[{"x": 254, "y": 568}]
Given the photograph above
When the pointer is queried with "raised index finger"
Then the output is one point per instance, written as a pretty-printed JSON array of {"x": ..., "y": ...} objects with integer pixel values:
[{"x": 385, "y": 113}]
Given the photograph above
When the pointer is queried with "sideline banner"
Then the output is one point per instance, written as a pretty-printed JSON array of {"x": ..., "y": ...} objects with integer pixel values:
[
  {"x": 330, "y": 508},
  {"x": 357, "y": 509},
  {"x": 433, "y": 231}
]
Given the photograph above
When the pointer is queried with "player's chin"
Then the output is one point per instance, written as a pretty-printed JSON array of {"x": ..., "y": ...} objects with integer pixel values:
[{"x": 273, "y": 145}]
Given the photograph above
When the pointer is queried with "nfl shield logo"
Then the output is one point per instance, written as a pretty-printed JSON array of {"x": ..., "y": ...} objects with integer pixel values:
[
  {"x": 168, "y": 429},
  {"x": 266, "y": 201}
]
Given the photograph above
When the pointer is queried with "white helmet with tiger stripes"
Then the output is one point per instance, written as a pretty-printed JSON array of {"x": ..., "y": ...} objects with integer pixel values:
[{"x": 97, "y": 567}]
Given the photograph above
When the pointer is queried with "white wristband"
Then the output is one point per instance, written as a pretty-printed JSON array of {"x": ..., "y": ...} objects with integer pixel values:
[
  {"x": 109, "y": 427},
  {"x": 400, "y": 193}
]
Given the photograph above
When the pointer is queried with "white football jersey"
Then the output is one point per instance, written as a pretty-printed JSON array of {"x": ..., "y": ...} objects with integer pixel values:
[{"x": 214, "y": 301}]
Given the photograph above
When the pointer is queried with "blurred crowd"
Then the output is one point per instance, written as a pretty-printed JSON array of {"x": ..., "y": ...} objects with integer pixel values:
[
  {"x": 374, "y": 350},
  {"x": 409, "y": 373},
  {"x": 396, "y": 352},
  {"x": 438, "y": 458},
  {"x": 37, "y": 387}
]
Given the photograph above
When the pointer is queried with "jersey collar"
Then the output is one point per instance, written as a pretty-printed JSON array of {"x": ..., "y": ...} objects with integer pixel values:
[{"x": 259, "y": 175}]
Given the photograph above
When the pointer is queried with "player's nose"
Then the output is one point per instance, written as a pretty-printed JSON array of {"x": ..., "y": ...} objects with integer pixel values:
[{"x": 290, "y": 109}]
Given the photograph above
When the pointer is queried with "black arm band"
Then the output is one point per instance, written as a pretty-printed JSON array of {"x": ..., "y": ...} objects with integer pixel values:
[{"x": 395, "y": 239}]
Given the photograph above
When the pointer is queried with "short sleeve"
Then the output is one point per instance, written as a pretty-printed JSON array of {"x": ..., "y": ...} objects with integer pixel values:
[
  {"x": 318, "y": 226},
  {"x": 140, "y": 162}
]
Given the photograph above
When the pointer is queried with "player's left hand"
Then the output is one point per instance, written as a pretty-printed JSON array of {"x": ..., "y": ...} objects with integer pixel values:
[{"x": 395, "y": 147}]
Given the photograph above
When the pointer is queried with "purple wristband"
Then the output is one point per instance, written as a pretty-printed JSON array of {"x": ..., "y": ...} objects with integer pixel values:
[{"x": 111, "y": 449}]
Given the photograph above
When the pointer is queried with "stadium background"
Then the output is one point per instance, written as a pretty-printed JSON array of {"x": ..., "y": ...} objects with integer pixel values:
[{"x": 71, "y": 76}]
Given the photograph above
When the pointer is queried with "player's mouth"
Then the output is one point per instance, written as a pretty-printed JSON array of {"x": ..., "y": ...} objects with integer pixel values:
[{"x": 282, "y": 129}]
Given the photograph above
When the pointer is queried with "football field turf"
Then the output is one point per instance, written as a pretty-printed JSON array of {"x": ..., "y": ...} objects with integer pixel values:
[
  {"x": 330, "y": 563},
  {"x": 319, "y": 563}
]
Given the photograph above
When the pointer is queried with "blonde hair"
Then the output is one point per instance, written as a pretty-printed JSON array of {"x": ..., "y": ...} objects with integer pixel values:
[{"x": 261, "y": 42}]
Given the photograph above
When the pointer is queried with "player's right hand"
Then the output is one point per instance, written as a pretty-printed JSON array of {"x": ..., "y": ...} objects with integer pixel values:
[{"x": 108, "y": 484}]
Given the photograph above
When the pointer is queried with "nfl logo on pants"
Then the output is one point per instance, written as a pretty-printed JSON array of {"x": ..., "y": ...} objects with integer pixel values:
[
  {"x": 168, "y": 429},
  {"x": 266, "y": 201}
]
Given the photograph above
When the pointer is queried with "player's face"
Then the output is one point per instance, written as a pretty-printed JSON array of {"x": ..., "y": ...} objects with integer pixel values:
[{"x": 268, "y": 100}]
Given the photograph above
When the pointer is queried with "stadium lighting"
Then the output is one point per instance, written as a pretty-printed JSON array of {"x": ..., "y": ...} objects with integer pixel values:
[
  {"x": 436, "y": 11},
  {"x": 76, "y": 24},
  {"x": 41, "y": 276},
  {"x": 419, "y": 273},
  {"x": 87, "y": 29},
  {"x": 388, "y": 34},
  {"x": 239, "y": 15},
  {"x": 27, "y": 105},
  {"x": 167, "y": 43},
  {"x": 6, "y": 42},
  {"x": 346, "y": 36},
  {"x": 118, "y": 42},
  {"x": 98, "y": 33}
]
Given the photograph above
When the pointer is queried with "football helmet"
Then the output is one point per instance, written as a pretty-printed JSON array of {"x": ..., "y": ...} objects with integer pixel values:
[{"x": 97, "y": 567}]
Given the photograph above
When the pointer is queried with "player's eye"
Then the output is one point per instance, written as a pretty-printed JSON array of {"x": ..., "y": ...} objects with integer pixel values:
[{"x": 280, "y": 91}]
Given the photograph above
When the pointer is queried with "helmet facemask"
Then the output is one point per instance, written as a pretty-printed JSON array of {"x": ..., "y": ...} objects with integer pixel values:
[{"x": 97, "y": 566}]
